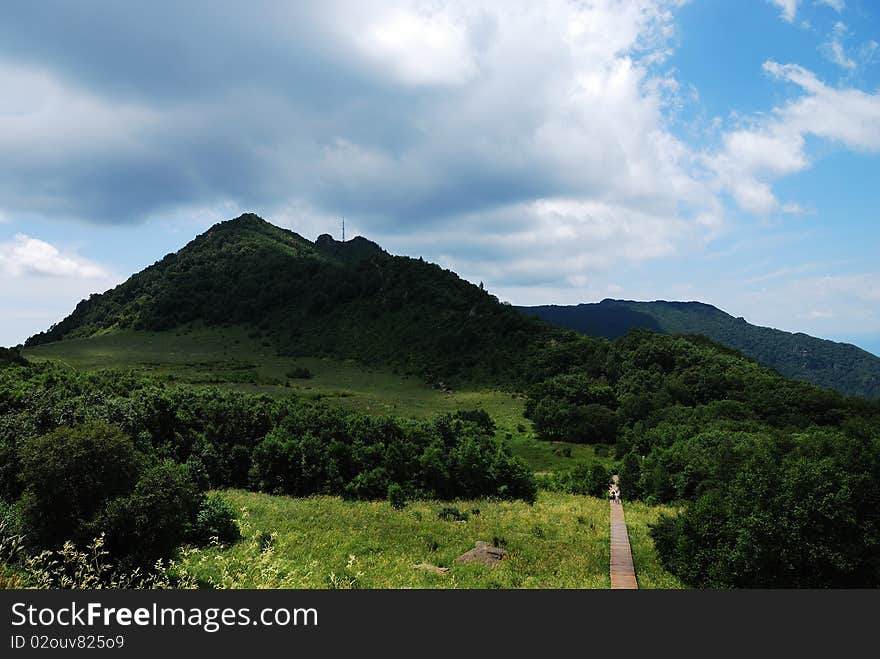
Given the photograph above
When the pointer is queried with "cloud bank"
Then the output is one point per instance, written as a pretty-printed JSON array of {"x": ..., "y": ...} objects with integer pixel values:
[{"x": 530, "y": 145}]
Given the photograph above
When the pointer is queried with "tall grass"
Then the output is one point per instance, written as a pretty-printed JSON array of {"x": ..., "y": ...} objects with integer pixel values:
[
  {"x": 649, "y": 572},
  {"x": 324, "y": 542}
]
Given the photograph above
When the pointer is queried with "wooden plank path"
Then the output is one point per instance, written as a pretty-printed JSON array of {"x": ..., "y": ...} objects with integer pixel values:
[{"x": 623, "y": 573}]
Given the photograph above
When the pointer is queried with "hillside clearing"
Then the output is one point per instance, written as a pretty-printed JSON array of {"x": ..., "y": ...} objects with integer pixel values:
[{"x": 230, "y": 358}]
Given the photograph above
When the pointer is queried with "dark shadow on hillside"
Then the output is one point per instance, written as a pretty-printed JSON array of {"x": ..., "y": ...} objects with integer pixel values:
[{"x": 603, "y": 319}]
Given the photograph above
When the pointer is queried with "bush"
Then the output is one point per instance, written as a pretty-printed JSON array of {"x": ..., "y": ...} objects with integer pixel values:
[
  {"x": 156, "y": 518},
  {"x": 479, "y": 417},
  {"x": 294, "y": 465},
  {"x": 322, "y": 451},
  {"x": 585, "y": 478},
  {"x": 69, "y": 476},
  {"x": 629, "y": 478},
  {"x": 807, "y": 519},
  {"x": 452, "y": 514},
  {"x": 216, "y": 519},
  {"x": 396, "y": 496},
  {"x": 11, "y": 521},
  {"x": 299, "y": 373}
]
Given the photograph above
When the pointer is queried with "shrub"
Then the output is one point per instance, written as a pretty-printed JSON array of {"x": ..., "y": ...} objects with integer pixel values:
[
  {"x": 479, "y": 417},
  {"x": 216, "y": 519},
  {"x": 69, "y": 476},
  {"x": 808, "y": 519},
  {"x": 396, "y": 496},
  {"x": 630, "y": 476},
  {"x": 295, "y": 465},
  {"x": 11, "y": 521},
  {"x": 452, "y": 514},
  {"x": 156, "y": 518},
  {"x": 585, "y": 478}
]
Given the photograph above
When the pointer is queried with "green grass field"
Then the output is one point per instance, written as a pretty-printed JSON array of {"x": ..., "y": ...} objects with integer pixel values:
[{"x": 562, "y": 541}]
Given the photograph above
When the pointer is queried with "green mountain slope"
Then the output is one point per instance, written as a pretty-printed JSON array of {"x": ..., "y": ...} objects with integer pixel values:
[
  {"x": 840, "y": 366},
  {"x": 322, "y": 298}
]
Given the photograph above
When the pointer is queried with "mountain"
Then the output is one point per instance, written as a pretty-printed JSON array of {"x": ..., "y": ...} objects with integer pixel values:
[
  {"x": 353, "y": 299},
  {"x": 840, "y": 366},
  {"x": 325, "y": 298}
]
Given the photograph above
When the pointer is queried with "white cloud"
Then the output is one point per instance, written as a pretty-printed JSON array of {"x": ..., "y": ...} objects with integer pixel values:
[
  {"x": 868, "y": 52},
  {"x": 864, "y": 287},
  {"x": 531, "y": 142},
  {"x": 748, "y": 155},
  {"x": 30, "y": 256},
  {"x": 834, "y": 50},
  {"x": 836, "y": 5},
  {"x": 848, "y": 116},
  {"x": 788, "y": 8},
  {"x": 828, "y": 304},
  {"x": 420, "y": 47},
  {"x": 751, "y": 158},
  {"x": 40, "y": 284},
  {"x": 508, "y": 247},
  {"x": 44, "y": 117}
]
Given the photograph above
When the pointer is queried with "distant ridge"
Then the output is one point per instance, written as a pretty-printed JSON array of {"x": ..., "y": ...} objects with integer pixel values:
[{"x": 840, "y": 366}]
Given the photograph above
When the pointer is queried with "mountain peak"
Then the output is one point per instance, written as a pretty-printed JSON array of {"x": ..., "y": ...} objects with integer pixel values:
[
  {"x": 355, "y": 249},
  {"x": 317, "y": 299},
  {"x": 243, "y": 221}
]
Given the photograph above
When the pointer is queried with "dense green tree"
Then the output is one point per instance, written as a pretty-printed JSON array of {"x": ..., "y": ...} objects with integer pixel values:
[
  {"x": 155, "y": 518},
  {"x": 69, "y": 475},
  {"x": 787, "y": 513},
  {"x": 630, "y": 476}
]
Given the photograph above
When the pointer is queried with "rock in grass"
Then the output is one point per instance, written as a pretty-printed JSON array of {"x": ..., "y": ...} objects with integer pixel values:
[
  {"x": 427, "y": 567},
  {"x": 484, "y": 554}
]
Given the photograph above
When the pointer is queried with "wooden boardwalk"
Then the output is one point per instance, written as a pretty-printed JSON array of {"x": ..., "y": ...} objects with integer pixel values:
[{"x": 623, "y": 573}]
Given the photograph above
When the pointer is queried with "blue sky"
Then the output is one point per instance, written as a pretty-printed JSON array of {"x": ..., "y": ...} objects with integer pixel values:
[{"x": 560, "y": 152}]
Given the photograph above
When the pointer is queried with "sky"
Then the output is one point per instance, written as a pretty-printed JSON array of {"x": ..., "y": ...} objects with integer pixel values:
[{"x": 726, "y": 151}]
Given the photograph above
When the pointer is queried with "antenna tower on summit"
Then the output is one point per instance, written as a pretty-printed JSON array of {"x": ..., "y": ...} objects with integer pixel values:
[{"x": 343, "y": 229}]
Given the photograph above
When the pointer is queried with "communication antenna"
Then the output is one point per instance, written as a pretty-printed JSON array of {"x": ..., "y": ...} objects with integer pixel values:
[{"x": 343, "y": 229}]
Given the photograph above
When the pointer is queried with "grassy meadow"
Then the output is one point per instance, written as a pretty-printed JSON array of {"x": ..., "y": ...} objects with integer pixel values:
[
  {"x": 230, "y": 358},
  {"x": 562, "y": 541},
  {"x": 325, "y": 542}
]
